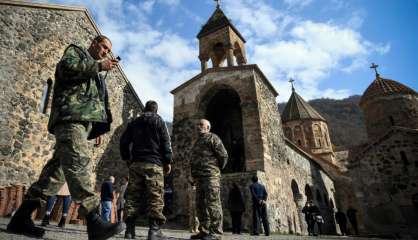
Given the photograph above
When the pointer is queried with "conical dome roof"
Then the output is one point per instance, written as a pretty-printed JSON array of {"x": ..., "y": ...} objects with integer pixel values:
[
  {"x": 297, "y": 109},
  {"x": 383, "y": 87},
  {"x": 217, "y": 21}
]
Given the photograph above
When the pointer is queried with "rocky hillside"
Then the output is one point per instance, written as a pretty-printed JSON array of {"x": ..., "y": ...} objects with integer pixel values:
[{"x": 345, "y": 120}]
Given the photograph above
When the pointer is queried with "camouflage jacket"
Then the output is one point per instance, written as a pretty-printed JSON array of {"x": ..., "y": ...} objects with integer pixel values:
[
  {"x": 208, "y": 156},
  {"x": 80, "y": 93}
]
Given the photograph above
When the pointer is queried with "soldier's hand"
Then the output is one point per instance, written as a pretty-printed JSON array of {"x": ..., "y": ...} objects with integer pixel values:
[
  {"x": 167, "y": 169},
  {"x": 108, "y": 64}
]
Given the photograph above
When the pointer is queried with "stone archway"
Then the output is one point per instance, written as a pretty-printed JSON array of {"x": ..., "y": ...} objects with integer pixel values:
[{"x": 222, "y": 107}]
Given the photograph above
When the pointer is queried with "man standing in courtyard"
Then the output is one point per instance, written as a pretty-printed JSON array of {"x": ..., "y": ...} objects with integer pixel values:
[
  {"x": 80, "y": 111},
  {"x": 259, "y": 198},
  {"x": 106, "y": 198},
  {"x": 145, "y": 146},
  {"x": 208, "y": 157}
]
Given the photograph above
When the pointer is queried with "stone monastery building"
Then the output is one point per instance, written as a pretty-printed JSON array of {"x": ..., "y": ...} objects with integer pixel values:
[
  {"x": 291, "y": 154},
  {"x": 240, "y": 103}
]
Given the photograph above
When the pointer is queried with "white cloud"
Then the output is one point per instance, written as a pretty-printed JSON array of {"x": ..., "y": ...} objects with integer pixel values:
[
  {"x": 174, "y": 51},
  {"x": 155, "y": 62},
  {"x": 261, "y": 21},
  {"x": 283, "y": 44},
  {"x": 297, "y": 3},
  {"x": 170, "y": 2}
]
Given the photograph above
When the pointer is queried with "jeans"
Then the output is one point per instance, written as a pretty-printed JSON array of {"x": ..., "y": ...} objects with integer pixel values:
[
  {"x": 106, "y": 210},
  {"x": 51, "y": 202}
]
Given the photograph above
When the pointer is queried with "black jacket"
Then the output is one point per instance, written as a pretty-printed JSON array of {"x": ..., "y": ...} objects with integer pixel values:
[
  {"x": 258, "y": 192},
  {"x": 150, "y": 140},
  {"x": 106, "y": 193}
]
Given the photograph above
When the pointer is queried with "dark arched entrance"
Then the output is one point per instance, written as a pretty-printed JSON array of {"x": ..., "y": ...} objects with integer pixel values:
[{"x": 224, "y": 113}]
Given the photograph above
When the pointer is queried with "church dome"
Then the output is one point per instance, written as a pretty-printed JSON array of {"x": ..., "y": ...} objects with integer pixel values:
[
  {"x": 297, "y": 109},
  {"x": 384, "y": 87}
]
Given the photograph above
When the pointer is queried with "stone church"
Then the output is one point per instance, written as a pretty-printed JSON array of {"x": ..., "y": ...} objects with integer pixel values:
[
  {"x": 240, "y": 102},
  {"x": 384, "y": 170},
  {"x": 291, "y": 153},
  {"x": 33, "y": 39}
]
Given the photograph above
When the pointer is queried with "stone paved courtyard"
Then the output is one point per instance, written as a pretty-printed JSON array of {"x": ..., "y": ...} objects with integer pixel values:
[{"x": 78, "y": 232}]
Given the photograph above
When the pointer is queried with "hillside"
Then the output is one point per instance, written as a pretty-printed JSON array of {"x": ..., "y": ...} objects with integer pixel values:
[{"x": 345, "y": 120}]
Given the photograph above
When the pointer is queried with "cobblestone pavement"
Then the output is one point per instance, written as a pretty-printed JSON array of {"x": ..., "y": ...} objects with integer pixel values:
[{"x": 78, "y": 232}]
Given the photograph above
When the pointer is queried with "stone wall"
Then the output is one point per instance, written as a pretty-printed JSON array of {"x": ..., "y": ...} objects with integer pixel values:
[
  {"x": 383, "y": 112},
  {"x": 385, "y": 178},
  {"x": 284, "y": 167},
  {"x": 266, "y": 154},
  {"x": 32, "y": 41}
]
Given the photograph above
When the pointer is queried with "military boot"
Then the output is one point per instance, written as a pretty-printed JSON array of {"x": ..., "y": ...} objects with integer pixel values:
[
  {"x": 130, "y": 227},
  {"x": 21, "y": 222},
  {"x": 45, "y": 220},
  {"x": 154, "y": 232},
  {"x": 98, "y": 229},
  {"x": 61, "y": 224}
]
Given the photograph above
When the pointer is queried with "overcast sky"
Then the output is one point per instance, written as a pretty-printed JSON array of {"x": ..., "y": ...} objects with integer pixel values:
[{"x": 325, "y": 45}]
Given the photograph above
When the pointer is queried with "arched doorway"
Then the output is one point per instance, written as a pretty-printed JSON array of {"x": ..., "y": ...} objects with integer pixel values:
[{"x": 224, "y": 113}]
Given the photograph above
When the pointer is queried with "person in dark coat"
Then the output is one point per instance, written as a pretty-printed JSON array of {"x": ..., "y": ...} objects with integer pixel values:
[
  {"x": 351, "y": 215},
  {"x": 310, "y": 211},
  {"x": 259, "y": 198},
  {"x": 106, "y": 198},
  {"x": 342, "y": 221},
  {"x": 236, "y": 207}
]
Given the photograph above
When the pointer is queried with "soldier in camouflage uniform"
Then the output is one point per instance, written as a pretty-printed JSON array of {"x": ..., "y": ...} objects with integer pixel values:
[
  {"x": 79, "y": 112},
  {"x": 145, "y": 146},
  {"x": 208, "y": 157}
]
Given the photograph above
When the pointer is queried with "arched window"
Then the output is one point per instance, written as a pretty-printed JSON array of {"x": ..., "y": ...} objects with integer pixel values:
[
  {"x": 295, "y": 189},
  {"x": 325, "y": 199},
  {"x": 288, "y": 133},
  {"x": 317, "y": 135},
  {"x": 308, "y": 192},
  {"x": 405, "y": 161},
  {"x": 45, "y": 96},
  {"x": 392, "y": 121},
  {"x": 298, "y": 135},
  {"x": 318, "y": 195}
]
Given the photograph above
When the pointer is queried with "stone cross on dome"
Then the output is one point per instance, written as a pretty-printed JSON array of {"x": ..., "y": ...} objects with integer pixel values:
[
  {"x": 291, "y": 80},
  {"x": 375, "y": 66}
]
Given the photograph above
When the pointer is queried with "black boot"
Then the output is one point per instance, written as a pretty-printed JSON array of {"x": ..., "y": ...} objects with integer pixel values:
[
  {"x": 97, "y": 229},
  {"x": 61, "y": 224},
  {"x": 130, "y": 227},
  {"x": 154, "y": 232},
  {"x": 21, "y": 222},
  {"x": 45, "y": 220}
]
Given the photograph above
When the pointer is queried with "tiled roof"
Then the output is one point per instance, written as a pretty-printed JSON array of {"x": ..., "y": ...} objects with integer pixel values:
[
  {"x": 297, "y": 109},
  {"x": 217, "y": 21},
  {"x": 382, "y": 87}
]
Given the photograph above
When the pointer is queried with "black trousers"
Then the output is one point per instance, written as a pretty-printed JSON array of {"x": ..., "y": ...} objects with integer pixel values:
[
  {"x": 236, "y": 222},
  {"x": 343, "y": 228},
  {"x": 260, "y": 212},
  {"x": 311, "y": 225}
]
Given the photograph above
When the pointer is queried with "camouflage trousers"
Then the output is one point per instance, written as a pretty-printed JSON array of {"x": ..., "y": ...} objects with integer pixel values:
[
  {"x": 209, "y": 206},
  {"x": 71, "y": 162},
  {"x": 145, "y": 191}
]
